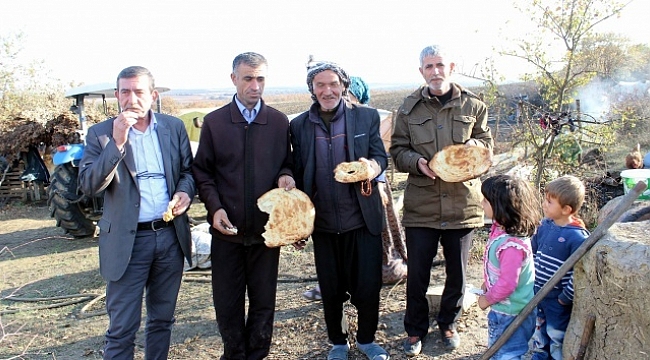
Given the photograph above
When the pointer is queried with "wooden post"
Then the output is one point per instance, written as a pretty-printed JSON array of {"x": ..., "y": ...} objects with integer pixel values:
[
  {"x": 392, "y": 163},
  {"x": 598, "y": 233},
  {"x": 39, "y": 190},
  {"x": 586, "y": 335},
  {"x": 579, "y": 114}
]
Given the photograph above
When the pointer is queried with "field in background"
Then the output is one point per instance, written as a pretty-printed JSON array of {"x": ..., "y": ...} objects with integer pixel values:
[
  {"x": 288, "y": 103},
  {"x": 195, "y": 106}
]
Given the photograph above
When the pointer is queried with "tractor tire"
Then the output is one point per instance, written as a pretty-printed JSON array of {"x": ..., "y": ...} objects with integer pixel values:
[{"x": 64, "y": 202}]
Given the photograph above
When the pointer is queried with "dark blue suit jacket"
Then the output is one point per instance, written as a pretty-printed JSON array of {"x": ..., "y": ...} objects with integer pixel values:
[{"x": 363, "y": 140}]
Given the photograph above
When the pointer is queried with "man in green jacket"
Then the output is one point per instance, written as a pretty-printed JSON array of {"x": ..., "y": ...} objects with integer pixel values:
[{"x": 436, "y": 115}]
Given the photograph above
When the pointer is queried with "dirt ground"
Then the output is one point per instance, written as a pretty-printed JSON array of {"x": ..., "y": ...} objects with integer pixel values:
[{"x": 38, "y": 261}]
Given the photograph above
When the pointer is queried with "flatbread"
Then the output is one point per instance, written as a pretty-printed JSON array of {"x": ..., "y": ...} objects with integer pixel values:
[
  {"x": 168, "y": 215},
  {"x": 291, "y": 216},
  {"x": 354, "y": 171},
  {"x": 458, "y": 163}
]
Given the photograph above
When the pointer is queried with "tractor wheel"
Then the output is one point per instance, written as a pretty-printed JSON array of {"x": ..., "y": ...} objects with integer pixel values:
[{"x": 66, "y": 203}]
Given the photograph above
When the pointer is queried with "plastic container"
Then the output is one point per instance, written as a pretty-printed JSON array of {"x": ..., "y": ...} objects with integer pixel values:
[{"x": 631, "y": 177}]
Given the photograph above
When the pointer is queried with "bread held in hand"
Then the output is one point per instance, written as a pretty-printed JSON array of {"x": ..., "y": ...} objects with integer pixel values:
[
  {"x": 291, "y": 216},
  {"x": 458, "y": 163},
  {"x": 168, "y": 215},
  {"x": 354, "y": 171}
]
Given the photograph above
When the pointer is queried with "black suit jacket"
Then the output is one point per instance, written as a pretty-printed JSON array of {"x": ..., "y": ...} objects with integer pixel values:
[
  {"x": 104, "y": 168},
  {"x": 363, "y": 140}
]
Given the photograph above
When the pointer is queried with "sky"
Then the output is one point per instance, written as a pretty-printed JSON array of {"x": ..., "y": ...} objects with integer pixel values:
[{"x": 190, "y": 44}]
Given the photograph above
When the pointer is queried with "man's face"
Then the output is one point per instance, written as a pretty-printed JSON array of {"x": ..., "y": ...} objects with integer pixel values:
[
  {"x": 135, "y": 94},
  {"x": 436, "y": 73},
  {"x": 328, "y": 89},
  {"x": 250, "y": 83}
]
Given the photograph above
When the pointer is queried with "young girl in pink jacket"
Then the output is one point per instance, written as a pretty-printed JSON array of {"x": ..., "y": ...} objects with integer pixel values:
[{"x": 509, "y": 271}]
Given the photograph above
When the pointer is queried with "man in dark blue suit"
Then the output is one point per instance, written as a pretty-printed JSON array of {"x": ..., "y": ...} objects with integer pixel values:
[
  {"x": 347, "y": 235},
  {"x": 142, "y": 162}
]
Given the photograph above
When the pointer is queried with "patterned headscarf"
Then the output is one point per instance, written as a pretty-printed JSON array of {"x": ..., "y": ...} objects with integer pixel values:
[
  {"x": 326, "y": 65},
  {"x": 359, "y": 89}
]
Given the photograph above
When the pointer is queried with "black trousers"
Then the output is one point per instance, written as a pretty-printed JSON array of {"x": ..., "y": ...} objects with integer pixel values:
[
  {"x": 349, "y": 263},
  {"x": 236, "y": 270},
  {"x": 422, "y": 247}
]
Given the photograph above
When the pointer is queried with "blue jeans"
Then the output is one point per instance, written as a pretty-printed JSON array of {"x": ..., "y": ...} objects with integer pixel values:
[
  {"x": 517, "y": 345},
  {"x": 552, "y": 321}
]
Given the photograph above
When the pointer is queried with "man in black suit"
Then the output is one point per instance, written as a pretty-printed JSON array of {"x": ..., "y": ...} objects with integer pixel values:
[
  {"x": 243, "y": 153},
  {"x": 347, "y": 235},
  {"x": 142, "y": 162}
]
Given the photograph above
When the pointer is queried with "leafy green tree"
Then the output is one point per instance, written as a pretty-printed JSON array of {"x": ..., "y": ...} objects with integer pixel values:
[{"x": 10, "y": 70}]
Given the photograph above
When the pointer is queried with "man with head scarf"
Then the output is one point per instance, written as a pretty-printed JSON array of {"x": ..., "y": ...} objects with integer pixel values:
[
  {"x": 347, "y": 234},
  {"x": 393, "y": 238}
]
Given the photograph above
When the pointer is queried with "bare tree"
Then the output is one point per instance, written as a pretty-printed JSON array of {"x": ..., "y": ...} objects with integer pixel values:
[
  {"x": 556, "y": 54},
  {"x": 639, "y": 61},
  {"x": 25, "y": 85}
]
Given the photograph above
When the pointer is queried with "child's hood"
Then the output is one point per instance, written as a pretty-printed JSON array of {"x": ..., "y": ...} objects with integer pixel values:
[{"x": 577, "y": 222}]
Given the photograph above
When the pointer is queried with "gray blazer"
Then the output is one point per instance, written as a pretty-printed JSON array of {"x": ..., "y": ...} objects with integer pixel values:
[{"x": 104, "y": 168}]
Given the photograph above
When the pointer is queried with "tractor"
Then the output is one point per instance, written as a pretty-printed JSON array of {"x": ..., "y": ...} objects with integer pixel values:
[{"x": 75, "y": 212}]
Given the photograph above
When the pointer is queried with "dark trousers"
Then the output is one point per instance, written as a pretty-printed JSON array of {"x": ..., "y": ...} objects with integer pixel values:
[
  {"x": 156, "y": 266},
  {"x": 349, "y": 263},
  {"x": 422, "y": 247},
  {"x": 236, "y": 269}
]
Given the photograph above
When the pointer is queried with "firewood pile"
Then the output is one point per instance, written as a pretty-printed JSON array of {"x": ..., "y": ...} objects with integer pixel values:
[{"x": 25, "y": 129}]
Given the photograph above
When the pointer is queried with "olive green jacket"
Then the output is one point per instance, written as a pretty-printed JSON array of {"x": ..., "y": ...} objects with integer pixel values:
[{"x": 424, "y": 127}]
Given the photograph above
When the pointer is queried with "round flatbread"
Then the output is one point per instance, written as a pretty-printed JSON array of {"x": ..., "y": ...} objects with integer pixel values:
[
  {"x": 354, "y": 171},
  {"x": 458, "y": 163},
  {"x": 291, "y": 216}
]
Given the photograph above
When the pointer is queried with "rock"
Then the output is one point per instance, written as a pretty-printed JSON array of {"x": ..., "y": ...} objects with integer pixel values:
[
  {"x": 611, "y": 282},
  {"x": 434, "y": 293},
  {"x": 638, "y": 211}
]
